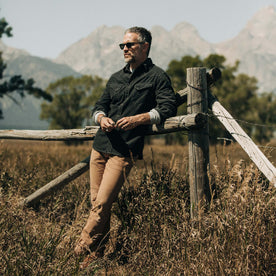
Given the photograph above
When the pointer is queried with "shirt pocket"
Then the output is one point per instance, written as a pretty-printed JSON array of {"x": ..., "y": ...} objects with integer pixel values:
[
  {"x": 144, "y": 96},
  {"x": 143, "y": 92},
  {"x": 143, "y": 87}
]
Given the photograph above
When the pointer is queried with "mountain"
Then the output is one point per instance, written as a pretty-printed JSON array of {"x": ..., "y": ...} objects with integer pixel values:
[
  {"x": 182, "y": 40},
  {"x": 99, "y": 54},
  {"x": 9, "y": 53},
  {"x": 255, "y": 47},
  {"x": 43, "y": 71}
]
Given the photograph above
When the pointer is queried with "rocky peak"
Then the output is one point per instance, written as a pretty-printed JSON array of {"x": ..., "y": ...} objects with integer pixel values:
[
  {"x": 258, "y": 37},
  {"x": 262, "y": 31},
  {"x": 263, "y": 23}
]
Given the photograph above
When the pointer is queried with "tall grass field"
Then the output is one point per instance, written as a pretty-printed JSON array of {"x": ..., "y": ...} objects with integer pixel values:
[{"x": 152, "y": 232}]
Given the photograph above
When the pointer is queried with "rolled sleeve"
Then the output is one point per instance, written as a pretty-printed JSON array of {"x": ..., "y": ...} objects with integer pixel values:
[
  {"x": 154, "y": 117},
  {"x": 95, "y": 116}
]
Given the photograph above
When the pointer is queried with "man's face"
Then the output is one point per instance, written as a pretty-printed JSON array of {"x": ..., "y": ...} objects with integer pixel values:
[{"x": 137, "y": 53}]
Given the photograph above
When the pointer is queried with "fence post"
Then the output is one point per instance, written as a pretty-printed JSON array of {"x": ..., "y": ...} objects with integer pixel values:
[{"x": 198, "y": 140}]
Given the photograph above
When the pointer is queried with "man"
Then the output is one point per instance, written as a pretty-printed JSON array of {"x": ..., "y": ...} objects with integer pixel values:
[{"x": 138, "y": 95}]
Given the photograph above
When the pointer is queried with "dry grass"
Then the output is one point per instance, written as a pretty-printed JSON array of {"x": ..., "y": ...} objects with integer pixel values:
[{"x": 152, "y": 233}]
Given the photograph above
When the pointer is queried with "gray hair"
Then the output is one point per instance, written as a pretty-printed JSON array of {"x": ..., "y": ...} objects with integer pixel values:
[{"x": 143, "y": 35}]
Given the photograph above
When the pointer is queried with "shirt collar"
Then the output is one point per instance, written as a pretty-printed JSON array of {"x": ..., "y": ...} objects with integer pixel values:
[{"x": 144, "y": 66}]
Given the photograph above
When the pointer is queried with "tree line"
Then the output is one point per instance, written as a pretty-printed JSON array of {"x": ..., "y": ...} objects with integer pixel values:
[{"x": 68, "y": 101}]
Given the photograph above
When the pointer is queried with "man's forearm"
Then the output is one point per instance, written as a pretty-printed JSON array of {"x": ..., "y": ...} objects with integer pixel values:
[
  {"x": 143, "y": 119},
  {"x": 127, "y": 123}
]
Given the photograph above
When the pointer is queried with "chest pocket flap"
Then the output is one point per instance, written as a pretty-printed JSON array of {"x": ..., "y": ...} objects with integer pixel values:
[{"x": 143, "y": 86}]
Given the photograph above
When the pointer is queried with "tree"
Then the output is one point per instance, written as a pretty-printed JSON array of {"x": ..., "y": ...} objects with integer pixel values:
[
  {"x": 236, "y": 92},
  {"x": 16, "y": 83},
  {"x": 265, "y": 109},
  {"x": 72, "y": 99},
  {"x": 177, "y": 70}
]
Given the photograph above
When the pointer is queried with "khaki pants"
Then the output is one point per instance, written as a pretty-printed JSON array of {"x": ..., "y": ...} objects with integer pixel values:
[{"x": 107, "y": 175}]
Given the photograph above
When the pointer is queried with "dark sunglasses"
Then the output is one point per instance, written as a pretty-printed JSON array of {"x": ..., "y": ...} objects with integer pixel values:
[{"x": 129, "y": 44}]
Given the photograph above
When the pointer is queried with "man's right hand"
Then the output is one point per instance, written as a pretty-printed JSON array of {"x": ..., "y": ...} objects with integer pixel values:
[{"x": 107, "y": 124}]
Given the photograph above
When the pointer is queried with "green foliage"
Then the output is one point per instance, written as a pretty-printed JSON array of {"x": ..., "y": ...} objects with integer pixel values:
[
  {"x": 265, "y": 109},
  {"x": 5, "y": 28},
  {"x": 72, "y": 98},
  {"x": 177, "y": 70},
  {"x": 16, "y": 83},
  {"x": 236, "y": 92},
  {"x": 214, "y": 60}
]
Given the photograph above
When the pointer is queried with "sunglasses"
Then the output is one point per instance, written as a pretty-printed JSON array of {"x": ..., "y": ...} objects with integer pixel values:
[{"x": 129, "y": 44}]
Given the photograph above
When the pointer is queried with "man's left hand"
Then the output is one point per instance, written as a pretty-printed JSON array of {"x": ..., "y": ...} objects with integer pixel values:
[{"x": 127, "y": 123}]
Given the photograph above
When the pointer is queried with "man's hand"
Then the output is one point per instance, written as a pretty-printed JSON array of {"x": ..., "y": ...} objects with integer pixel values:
[
  {"x": 128, "y": 123},
  {"x": 107, "y": 124}
]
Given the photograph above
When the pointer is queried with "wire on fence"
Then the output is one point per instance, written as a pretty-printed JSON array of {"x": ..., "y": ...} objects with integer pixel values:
[{"x": 241, "y": 121}]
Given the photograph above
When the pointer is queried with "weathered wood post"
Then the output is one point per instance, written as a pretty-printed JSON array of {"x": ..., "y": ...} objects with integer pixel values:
[
  {"x": 198, "y": 139},
  {"x": 57, "y": 183}
]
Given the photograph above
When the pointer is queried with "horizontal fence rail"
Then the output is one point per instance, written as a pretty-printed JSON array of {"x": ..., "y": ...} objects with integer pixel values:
[{"x": 173, "y": 124}]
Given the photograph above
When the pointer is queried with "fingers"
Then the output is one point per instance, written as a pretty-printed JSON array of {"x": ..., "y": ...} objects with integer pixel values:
[
  {"x": 126, "y": 123},
  {"x": 121, "y": 123},
  {"x": 107, "y": 124}
]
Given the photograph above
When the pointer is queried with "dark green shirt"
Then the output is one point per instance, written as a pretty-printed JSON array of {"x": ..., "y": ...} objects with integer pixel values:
[{"x": 129, "y": 94}]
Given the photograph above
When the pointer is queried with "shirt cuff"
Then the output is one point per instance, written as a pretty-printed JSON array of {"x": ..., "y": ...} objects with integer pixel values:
[
  {"x": 154, "y": 116},
  {"x": 95, "y": 116}
]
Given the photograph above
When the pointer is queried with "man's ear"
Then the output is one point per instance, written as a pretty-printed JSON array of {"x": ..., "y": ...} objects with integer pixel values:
[{"x": 146, "y": 47}]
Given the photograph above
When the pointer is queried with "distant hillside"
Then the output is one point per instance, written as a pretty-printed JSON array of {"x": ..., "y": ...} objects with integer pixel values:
[
  {"x": 99, "y": 54},
  {"x": 255, "y": 47},
  {"x": 43, "y": 71}
]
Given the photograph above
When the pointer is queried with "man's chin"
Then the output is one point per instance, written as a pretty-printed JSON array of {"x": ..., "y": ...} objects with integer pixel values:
[{"x": 129, "y": 60}]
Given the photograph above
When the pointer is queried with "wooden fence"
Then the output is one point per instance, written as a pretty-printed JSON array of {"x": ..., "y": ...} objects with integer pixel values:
[{"x": 199, "y": 98}]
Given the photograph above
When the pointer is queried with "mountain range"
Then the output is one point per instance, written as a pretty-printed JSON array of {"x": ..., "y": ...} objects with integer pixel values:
[{"x": 99, "y": 54}]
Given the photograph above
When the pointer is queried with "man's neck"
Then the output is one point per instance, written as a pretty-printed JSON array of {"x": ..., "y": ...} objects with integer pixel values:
[{"x": 133, "y": 66}]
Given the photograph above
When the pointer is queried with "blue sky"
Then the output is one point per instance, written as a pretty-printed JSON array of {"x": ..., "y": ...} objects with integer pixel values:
[{"x": 47, "y": 27}]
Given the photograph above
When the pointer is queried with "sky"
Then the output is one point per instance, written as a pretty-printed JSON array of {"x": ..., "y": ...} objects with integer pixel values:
[{"x": 45, "y": 28}]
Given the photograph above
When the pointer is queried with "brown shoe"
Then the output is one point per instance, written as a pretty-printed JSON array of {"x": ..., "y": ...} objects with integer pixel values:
[
  {"x": 81, "y": 248},
  {"x": 94, "y": 256}
]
